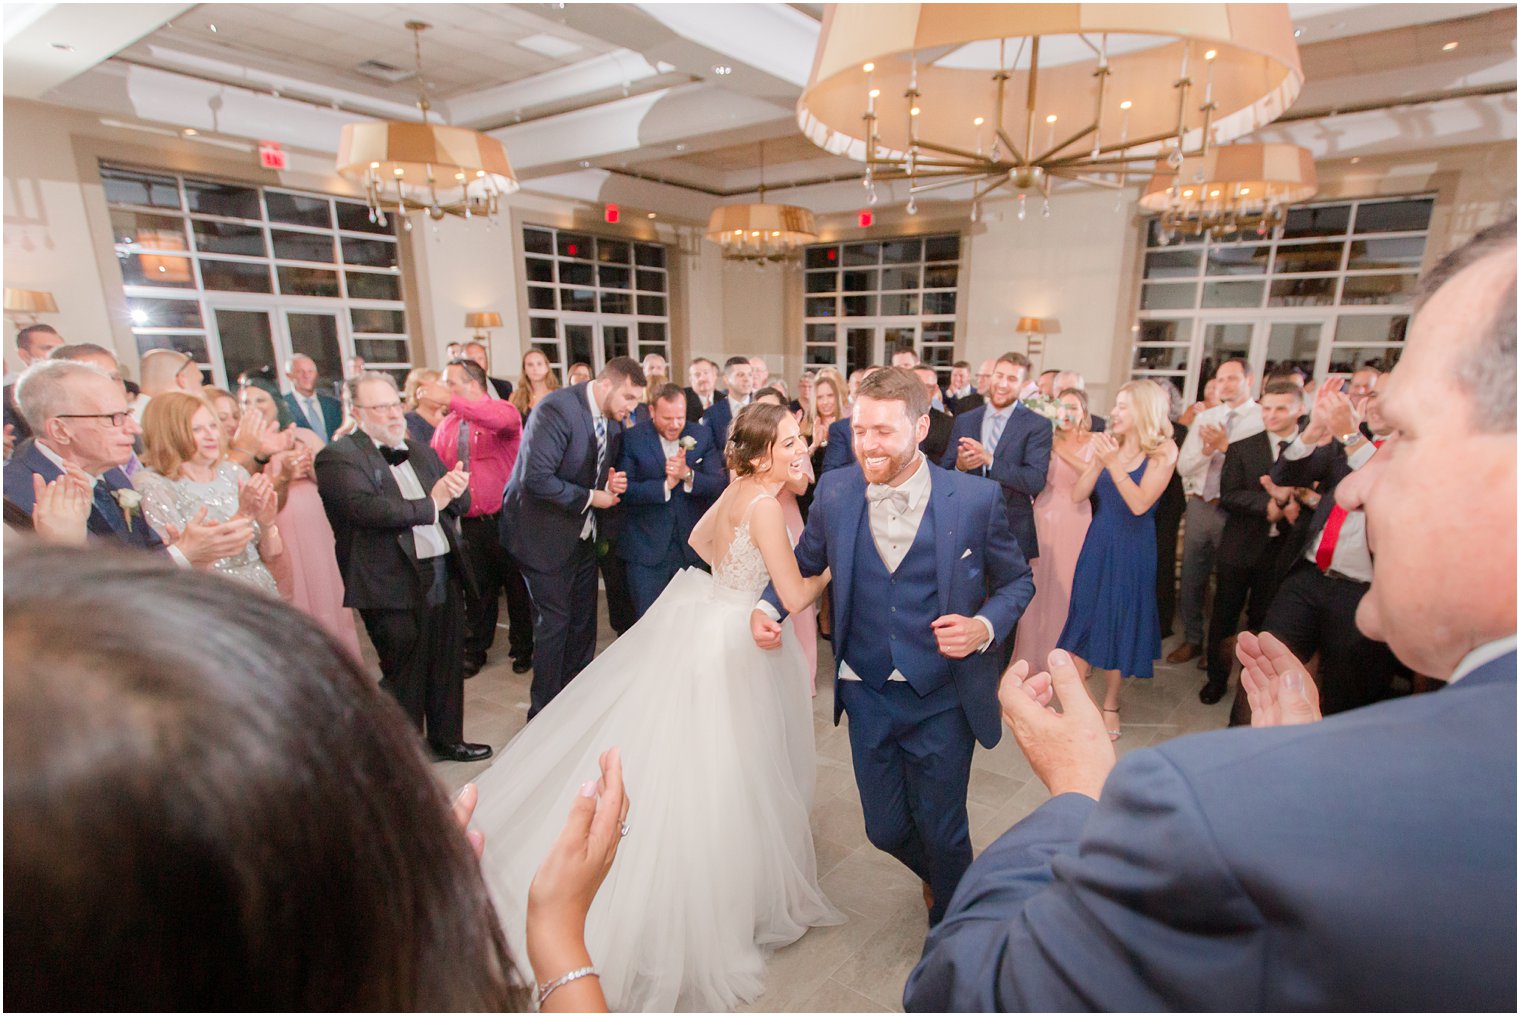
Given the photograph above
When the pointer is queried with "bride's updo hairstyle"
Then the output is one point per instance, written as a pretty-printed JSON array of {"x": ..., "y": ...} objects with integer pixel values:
[{"x": 753, "y": 433}]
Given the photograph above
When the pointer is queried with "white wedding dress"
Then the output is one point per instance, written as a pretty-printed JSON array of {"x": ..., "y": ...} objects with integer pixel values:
[{"x": 718, "y": 761}]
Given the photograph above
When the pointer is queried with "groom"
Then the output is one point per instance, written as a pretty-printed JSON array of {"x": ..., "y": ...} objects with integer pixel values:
[{"x": 928, "y": 582}]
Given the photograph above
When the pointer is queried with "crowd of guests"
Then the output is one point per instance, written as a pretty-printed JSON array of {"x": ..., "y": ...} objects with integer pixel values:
[{"x": 531, "y": 491}]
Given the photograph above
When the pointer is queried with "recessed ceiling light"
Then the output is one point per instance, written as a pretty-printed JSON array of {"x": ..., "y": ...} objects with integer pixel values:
[
  {"x": 651, "y": 215},
  {"x": 1448, "y": 47},
  {"x": 585, "y": 164},
  {"x": 212, "y": 27},
  {"x": 1126, "y": 104},
  {"x": 722, "y": 70},
  {"x": 1051, "y": 118},
  {"x": 1356, "y": 159},
  {"x": 681, "y": 147},
  {"x": 189, "y": 132},
  {"x": 65, "y": 47},
  {"x": 545, "y": 44},
  {"x": 1297, "y": 32}
]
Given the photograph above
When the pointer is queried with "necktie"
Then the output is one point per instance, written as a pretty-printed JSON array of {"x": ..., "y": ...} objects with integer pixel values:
[
  {"x": 463, "y": 446},
  {"x": 1282, "y": 446},
  {"x": 600, "y": 422},
  {"x": 1332, "y": 534},
  {"x": 314, "y": 414},
  {"x": 394, "y": 456},
  {"x": 995, "y": 434},
  {"x": 108, "y": 508},
  {"x": 879, "y": 494}
]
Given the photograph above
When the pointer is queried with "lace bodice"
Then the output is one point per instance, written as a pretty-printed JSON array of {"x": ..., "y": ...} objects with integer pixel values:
[{"x": 742, "y": 567}]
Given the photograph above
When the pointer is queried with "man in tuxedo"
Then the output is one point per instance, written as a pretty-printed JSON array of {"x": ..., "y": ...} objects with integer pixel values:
[
  {"x": 669, "y": 489},
  {"x": 1357, "y": 862},
  {"x": 33, "y": 343},
  {"x": 739, "y": 376},
  {"x": 700, "y": 393},
  {"x": 1328, "y": 562},
  {"x": 927, "y": 580},
  {"x": 483, "y": 434},
  {"x": 937, "y": 441},
  {"x": 561, "y": 483},
  {"x": 84, "y": 428},
  {"x": 395, "y": 513},
  {"x": 1008, "y": 443},
  {"x": 477, "y": 351},
  {"x": 1258, "y": 517},
  {"x": 1200, "y": 460},
  {"x": 317, "y": 411}
]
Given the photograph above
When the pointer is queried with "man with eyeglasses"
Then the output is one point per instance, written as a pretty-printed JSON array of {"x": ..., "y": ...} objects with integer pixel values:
[
  {"x": 83, "y": 433},
  {"x": 395, "y": 514}
]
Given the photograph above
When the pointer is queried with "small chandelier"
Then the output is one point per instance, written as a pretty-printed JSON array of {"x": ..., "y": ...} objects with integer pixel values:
[
  {"x": 1231, "y": 189},
  {"x": 428, "y": 167},
  {"x": 758, "y": 232},
  {"x": 930, "y": 93}
]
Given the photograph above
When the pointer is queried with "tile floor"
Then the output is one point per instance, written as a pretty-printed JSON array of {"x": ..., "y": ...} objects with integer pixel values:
[{"x": 861, "y": 966}]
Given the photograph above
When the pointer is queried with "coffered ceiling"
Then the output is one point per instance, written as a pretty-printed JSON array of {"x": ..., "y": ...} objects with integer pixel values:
[{"x": 603, "y": 100}]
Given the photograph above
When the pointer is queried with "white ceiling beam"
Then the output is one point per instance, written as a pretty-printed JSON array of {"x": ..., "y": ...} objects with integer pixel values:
[
  {"x": 49, "y": 44},
  {"x": 619, "y": 69},
  {"x": 774, "y": 38}
]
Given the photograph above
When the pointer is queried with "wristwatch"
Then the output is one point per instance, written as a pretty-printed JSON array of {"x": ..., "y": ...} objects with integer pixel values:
[{"x": 1350, "y": 439}]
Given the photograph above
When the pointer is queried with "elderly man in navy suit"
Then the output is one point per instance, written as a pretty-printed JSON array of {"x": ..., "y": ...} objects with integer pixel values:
[
  {"x": 927, "y": 582},
  {"x": 1008, "y": 443},
  {"x": 317, "y": 411},
  {"x": 562, "y": 480},
  {"x": 674, "y": 475},
  {"x": 1365, "y": 861},
  {"x": 83, "y": 429}
]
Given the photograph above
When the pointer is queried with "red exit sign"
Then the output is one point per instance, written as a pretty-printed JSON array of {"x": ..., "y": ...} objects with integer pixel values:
[{"x": 272, "y": 155}]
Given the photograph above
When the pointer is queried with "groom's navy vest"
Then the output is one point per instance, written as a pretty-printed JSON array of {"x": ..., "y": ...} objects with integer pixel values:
[{"x": 890, "y": 613}]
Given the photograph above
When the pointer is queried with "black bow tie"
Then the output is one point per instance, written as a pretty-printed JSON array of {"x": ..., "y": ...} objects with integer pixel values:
[{"x": 394, "y": 456}]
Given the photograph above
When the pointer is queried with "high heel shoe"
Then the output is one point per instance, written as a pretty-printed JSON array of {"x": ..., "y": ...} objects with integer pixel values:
[{"x": 1113, "y": 735}]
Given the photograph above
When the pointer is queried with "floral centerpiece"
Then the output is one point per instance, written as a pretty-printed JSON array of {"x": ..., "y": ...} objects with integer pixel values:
[{"x": 1047, "y": 406}]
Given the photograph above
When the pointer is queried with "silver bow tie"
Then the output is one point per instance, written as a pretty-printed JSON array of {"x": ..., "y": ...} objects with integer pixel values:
[{"x": 897, "y": 500}]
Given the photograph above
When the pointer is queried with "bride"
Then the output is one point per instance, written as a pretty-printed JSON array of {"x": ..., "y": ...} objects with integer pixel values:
[{"x": 717, "y": 864}]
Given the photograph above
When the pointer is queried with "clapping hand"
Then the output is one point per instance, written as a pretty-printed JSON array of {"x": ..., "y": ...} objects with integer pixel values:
[
  {"x": 204, "y": 543},
  {"x": 1105, "y": 449},
  {"x": 257, "y": 500},
  {"x": 1215, "y": 439},
  {"x": 1332, "y": 414},
  {"x": 62, "y": 508},
  {"x": 450, "y": 486},
  {"x": 617, "y": 483},
  {"x": 676, "y": 470},
  {"x": 1068, "y": 750},
  {"x": 1278, "y": 687},
  {"x": 972, "y": 454}
]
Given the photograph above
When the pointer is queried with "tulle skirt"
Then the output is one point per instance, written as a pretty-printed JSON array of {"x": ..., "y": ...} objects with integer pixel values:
[{"x": 718, "y": 761}]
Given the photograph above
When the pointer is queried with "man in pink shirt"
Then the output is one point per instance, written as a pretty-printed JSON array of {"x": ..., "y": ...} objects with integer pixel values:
[{"x": 484, "y": 433}]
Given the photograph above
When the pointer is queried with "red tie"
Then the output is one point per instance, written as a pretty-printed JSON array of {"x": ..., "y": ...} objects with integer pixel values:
[{"x": 1332, "y": 533}]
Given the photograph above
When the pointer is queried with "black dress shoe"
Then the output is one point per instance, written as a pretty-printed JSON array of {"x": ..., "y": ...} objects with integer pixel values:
[
  {"x": 1212, "y": 692},
  {"x": 472, "y": 667},
  {"x": 464, "y": 751},
  {"x": 522, "y": 664}
]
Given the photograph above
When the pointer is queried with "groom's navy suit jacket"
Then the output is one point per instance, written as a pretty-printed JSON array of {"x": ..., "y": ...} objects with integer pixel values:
[
  {"x": 978, "y": 570},
  {"x": 1362, "y": 863},
  {"x": 106, "y": 516}
]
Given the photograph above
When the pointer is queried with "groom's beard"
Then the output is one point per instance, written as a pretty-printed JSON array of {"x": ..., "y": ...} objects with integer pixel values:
[{"x": 896, "y": 466}]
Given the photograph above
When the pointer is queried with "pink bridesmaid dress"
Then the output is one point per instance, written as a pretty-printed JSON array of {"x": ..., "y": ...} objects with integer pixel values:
[
  {"x": 310, "y": 579},
  {"x": 1061, "y": 526}
]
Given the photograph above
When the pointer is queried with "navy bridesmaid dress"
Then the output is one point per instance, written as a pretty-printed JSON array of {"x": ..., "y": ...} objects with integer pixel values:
[{"x": 1113, "y": 622}]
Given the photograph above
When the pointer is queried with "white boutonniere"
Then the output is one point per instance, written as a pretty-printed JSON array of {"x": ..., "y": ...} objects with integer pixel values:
[
  {"x": 687, "y": 443},
  {"x": 130, "y": 501}
]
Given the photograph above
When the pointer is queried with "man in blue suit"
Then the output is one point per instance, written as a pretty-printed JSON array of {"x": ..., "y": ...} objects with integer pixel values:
[
  {"x": 81, "y": 426},
  {"x": 740, "y": 377},
  {"x": 1008, "y": 443},
  {"x": 669, "y": 489},
  {"x": 317, "y": 411},
  {"x": 840, "y": 451},
  {"x": 562, "y": 481},
  {"x": 1365, "y": 861},
  {"x": 927, "y": 582}
]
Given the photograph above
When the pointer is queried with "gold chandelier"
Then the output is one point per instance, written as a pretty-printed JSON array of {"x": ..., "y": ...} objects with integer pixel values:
[
  {"x": 430, "y": 167},
  {"x": 758, "y": 232},
  {"x": 926, "y": 92},
  {"x": 1232, "y": 188}
]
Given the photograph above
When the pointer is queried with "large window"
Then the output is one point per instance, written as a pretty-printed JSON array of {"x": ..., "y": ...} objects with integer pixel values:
[
  {"x": 1330, "y": 294},
  {"x": 241, "y": 277},
  {"x": 862, "y": 300},
  {"x": 591, "y": 298}
]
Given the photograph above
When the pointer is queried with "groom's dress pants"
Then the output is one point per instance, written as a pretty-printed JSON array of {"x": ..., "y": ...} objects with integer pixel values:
[{"x": 912, "y": 760}]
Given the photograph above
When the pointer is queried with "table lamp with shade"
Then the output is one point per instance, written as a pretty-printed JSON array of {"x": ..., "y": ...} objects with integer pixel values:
[
  {"x": 30, "y": 302},
  {"x": 1034, "y": 330}
]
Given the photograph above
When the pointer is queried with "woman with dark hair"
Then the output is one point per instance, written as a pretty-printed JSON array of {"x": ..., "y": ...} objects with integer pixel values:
[
  {"x": 230, "y": 815},
  {"x": 718, "y": 736}
]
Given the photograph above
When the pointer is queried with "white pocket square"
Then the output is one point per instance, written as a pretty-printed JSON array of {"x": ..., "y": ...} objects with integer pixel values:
[{"x": 966, "y": 554}]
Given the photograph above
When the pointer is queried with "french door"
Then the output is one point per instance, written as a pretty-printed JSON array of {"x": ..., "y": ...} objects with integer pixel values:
[{"x": 246, "y": 336}]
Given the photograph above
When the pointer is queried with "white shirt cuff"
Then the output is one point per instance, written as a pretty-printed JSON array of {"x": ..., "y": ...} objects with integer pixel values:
[
  {"x": 1358, "y": 458},
  {"x": 991, "y": 634},
  {"x": 1299, "y": 449},
  {"x": 667, "y": 493},
  {"x": 769, "y": 610}
]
